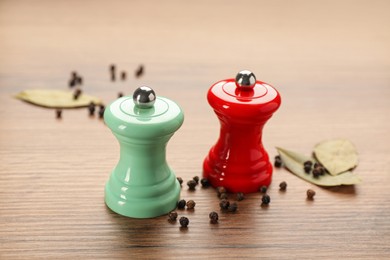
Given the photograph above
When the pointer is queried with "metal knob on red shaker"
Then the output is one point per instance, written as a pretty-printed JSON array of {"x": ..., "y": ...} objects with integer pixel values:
[{"x": 238, "y": 160}]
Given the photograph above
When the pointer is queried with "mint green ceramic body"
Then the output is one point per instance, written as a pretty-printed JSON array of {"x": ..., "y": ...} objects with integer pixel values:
[{"x": 142, "y": 185}]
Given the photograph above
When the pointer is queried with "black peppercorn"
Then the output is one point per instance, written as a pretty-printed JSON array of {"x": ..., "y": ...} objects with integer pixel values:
[
  {"x": 224, "y": 204},
  {"x": 112, "y": 72},
  {"x": 191, "y": 184},
  {"x": 181, "y": 204},
  {"x": 123, "y": 75},
  {"x": 196, "y": 179},
  {"x": 205, "y": 183},
  {"x": 72, "y": 82},
  {"x": 278, "y": 161},
  {"x": 191, "y": 204},
  {"x": 184, "y": 221},
  {"x": 101, "y": 111},
  {"x": 220, "y": 190},
  {"x": 79, "y": 80},
  {"x": 58, "y": 113},
  {"x": 213, "y": 217},
  {"x": 140, "y": 71},
  {"x": 180, "y": 180},
  {"x": 223, "y": 196},
  {"x": 266, "y": 199},
  {"x": 172, "y": 215},
  {"x": 77, "y": 94},
  {"x": 283, "y": 185},
  {"x": 233, "y": 207},
  {"x": 263, "y": 189},
  {"x": 310, "y": 194},
  {"x": 120, "y": 94},
  {"x": 91, "y": 108},
  {"x": 307, "y": 168},
  {"x": 240, "y": 196},
  {"x": 316, "y": 164},
  {"x": 316, "y": 172}
]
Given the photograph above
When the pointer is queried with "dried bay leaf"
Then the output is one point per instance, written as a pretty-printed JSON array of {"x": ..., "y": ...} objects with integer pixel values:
[
  {"x": 294, "y": 162},
  {"x": 56, "y": 98},
  {"x": 337, "y": 156}
]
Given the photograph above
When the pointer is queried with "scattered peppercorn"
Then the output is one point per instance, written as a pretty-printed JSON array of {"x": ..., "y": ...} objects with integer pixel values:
[
  {"x": 283, "y": 185},
  {"x": 316, "y": 172},
  {"x": 266, "y": 199},
  {"x": 205, "y": 182},
  {"x": 196, "y": 179},
  {"x": 233, "y": 207},
  {"x": 112, "y": 71},
  {"x": 101, "y": 111},
  {"x": 180, "y": 180},
  {"x": 59, "y": 113},
  {"x": 316, "y": 164},
  {"x": 79, "y": 80},
  {"x": 72, "y": 82},
  {"x": 223, "y": 196},
  {"x": 120, "y": 94},
  {"x": 91, "y": 108},
  {"x": 172, "y": 215},
  {"x": 263, "y": 189},
  {"x": 240, "y": 196},
  {"x": 278, "y": 161},
  {"x": 213, "y": 217},
  {"x": 191, "y": 204},
  {"x": 123, "y": 75},
  {"x": 307, "y": 168},
  {"x": 220, "y": 190},
  {"x": 310, "y": 194},
  {"x": 181, "y": 204},
  {"x": 310, "y": 163},
  {"x": 224, "y": 204},
  {"x": 140, "y": 71},
  {"x": 191, "y": 184},
  {"x": 77, "y": 94},
  {"x": 184, "y": 221}
]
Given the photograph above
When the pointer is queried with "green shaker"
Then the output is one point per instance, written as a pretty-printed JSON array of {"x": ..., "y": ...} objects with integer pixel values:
[{"x": 142, "y": 185}]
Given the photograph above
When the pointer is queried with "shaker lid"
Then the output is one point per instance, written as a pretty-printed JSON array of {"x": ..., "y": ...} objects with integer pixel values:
[
  {"x": 144, "y": 112},
  {"x": 244, "y": 96}
]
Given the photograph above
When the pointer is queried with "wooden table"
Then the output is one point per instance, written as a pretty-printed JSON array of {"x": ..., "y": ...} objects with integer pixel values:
[{"x": 330, "y": 60}]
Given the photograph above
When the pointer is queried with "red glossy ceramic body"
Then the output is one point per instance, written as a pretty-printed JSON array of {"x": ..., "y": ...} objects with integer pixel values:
[{"x": 238, "y": 161}]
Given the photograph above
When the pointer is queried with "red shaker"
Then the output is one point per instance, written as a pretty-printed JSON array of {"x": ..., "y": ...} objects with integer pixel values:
[{"x": 238, "y": 161}]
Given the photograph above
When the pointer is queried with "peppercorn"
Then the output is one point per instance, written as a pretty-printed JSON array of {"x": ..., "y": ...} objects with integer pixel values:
[
  {"x": 184, "y": 221},
  {"x": 213, "y": 217},
  {"x": 112, "y": 71},
  {"x": 205, "y": 182},
  {"x": 316, "y": 172},
  {"x": 196, "y": 179},
  {"x": 72, "y": 82},
  {"x": 310, "y": 194},
  {"x": 278, "y": 161},
  {"x": 139, "y": 71},
  {"x": 224, "y": 204},
  {"x": 191, "y": 184},
  {"x": 316, "y": 164},
  {"x": 172, "y": 215},
  {"x": 240, "y": 196},
  {"x": 91, "y": 108},
  {"x": 120, "y": 94},
  {"x": 181, "y": 204},
  {"x": 266, "y": 199},
  {"x": 263, "y": 189},
  {"x": 223, "y": 196},
  {"x": 79, "y": 80},
  {"x": 123, "y": 75},
  {"x": 191, "y": 204},
  {"x": 180, "y": 180},
  {"x": 233, "y": 207},
  {"x": 220, "y": 190},
  {"x": 101, "y": 111},
  {"x": 58, "y": 113},
  {"x": 307, "y": 168},
  {"x": 283, "y": 185},
  {"x": 77, "y": 94},
  {"x": 308, "y": 163}
]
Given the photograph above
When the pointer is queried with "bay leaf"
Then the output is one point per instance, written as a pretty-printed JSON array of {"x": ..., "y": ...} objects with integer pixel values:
[
  {"x": 293, "y": 161},
  {"x": 56, "y": 98},
  {"x": 337, "y": 156}
]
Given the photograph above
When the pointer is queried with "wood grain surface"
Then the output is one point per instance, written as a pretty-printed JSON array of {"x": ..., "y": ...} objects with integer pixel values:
[{"x": 330, "y": 60}]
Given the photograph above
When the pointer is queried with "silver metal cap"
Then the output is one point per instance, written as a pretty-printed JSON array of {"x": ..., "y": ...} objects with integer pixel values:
[
  {"x": 245, "y": 79},
  {"x": 144, "y": 97}
]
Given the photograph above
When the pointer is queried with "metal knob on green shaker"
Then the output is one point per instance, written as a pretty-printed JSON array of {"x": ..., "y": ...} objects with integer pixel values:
[{"x": 142, "y": 185}]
